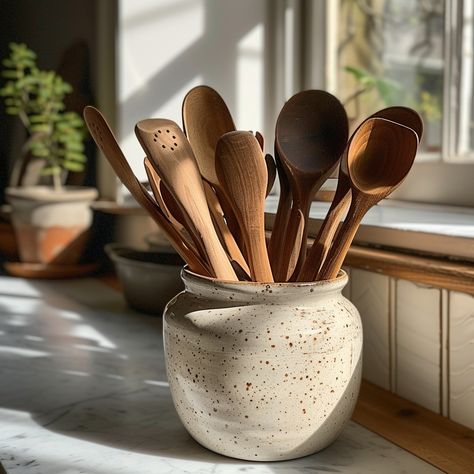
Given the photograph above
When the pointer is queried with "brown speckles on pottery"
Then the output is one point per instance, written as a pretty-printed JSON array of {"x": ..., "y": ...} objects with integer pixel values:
[{"x": 263, "y": 372}]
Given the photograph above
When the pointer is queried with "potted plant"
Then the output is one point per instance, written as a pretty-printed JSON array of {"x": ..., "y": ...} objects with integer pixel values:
[{"x": 50, "y": 220}]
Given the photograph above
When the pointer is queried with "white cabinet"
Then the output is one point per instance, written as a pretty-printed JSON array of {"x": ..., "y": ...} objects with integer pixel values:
[
  {"x": 418, "y": 346},
  {"x": 370, "y": 294},
  {"x": 461, "y": 358}
]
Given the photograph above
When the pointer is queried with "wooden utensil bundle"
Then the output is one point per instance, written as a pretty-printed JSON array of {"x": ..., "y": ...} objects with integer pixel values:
[{"x": 210, "y": 183}]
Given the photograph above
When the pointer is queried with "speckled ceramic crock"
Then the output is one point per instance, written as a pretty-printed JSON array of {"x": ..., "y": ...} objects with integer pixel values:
[{"x": 263, "y": 372}]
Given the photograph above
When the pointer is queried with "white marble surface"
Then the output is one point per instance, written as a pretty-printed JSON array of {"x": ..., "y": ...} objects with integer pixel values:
[
  {"x": 83, "y": 390},
  {"x": 427, "y": 228}
]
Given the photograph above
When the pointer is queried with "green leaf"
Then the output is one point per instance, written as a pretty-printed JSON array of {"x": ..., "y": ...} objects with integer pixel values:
[
  {"x": 38, "y": 118},
  {"x": 51, "y": 170},
  {"x": 10, "y": 74},
  {"x": 40, "y": 152},
  {"x": 73, "y": 156},
  {"x": 73, "y": 166},
  {"x": 41, "y": 128}
]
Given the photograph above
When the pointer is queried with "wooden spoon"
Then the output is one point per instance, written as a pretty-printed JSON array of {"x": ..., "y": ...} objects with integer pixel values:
[
  {"x": 205, "y": 119},
  {"x": 311, "y": 134},
  {"x": 223, "y": 231},
  {"x": 106, "y": 141},
  {"x": 171, "y": 154},
  {"x": 168, "y": 205},
  {"x": 317, "y": 254},
  {"x": 271, "y": 173},
  {"x": 379, "y": 157},
  {"x": 277, "y": 238},
  {"x": 242, "y": 172}
]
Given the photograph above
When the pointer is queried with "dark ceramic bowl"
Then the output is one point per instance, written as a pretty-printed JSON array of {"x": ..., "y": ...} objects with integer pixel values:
[{"x": 149, "y": 279}]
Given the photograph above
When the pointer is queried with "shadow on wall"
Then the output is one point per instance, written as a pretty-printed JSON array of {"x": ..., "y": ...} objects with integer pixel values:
[{"x": 213, "y": 57}]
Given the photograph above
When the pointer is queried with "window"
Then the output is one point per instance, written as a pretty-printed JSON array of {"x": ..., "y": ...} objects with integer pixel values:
[
  {"x": 416, "y": 53},
  {"x": 391, "y": 53}
]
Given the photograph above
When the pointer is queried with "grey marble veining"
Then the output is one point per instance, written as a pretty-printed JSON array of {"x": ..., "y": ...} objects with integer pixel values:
[{"x": 83, "y": 390}]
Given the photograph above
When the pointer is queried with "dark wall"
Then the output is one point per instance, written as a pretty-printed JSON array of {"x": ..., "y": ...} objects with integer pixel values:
[{"x": 49, "y": 27}]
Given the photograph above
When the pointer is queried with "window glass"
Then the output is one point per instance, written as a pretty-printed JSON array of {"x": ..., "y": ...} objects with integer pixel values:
[{"x": 390, "y": 52}]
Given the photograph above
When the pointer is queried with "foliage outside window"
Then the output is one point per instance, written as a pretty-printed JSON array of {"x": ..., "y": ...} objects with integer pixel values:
[{"x": 391, "y": 52}]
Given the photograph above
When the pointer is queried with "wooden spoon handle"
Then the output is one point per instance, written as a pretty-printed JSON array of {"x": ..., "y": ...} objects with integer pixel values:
[
  {"x": 277, "y": 238},
  {"x": 320, "y": 248},
  {"x": 222, "y": 229},
  {"x": 230, "y": 218},
  {"x": 271, "y": 172},
  {"x": 343, "y": 241},
  {"x": 156, "y": 185}
]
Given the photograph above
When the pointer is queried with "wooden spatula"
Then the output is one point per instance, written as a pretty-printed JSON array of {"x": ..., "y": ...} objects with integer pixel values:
[
  {"x": 106, "y": 141},
  {"x": 242, "y": 172},
  {"x": 171, "y": 154}
]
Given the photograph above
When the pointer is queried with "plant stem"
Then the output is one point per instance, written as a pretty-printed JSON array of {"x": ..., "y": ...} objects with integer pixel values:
[{"x": 57, "y": 182}]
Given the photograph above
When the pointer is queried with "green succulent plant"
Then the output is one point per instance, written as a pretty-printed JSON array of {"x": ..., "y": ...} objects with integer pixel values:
[{"x": 37, "y": 98}]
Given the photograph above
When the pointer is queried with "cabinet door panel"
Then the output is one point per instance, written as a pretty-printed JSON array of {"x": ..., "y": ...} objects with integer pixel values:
[
  {"x": 461, "y": 358},
  {"x": 418, "y": 344},
  {"x": 370, "y": 293}
]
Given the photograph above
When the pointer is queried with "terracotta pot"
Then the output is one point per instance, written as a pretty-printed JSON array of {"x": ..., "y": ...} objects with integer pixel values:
[
  {"x": 263, "y": 372},
  {"x": 51, "y": 226}
]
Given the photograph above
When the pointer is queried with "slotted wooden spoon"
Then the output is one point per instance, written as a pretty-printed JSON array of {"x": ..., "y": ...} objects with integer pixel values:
[
  {"x": 171, "y": 154},
  {"x": 106, "y": 141},
  {"x": 311, "y": 134},
  {"x": 242, "y": 172},
  {"x": 317, "y": 254},
  {"x": 379, "y": 157}
]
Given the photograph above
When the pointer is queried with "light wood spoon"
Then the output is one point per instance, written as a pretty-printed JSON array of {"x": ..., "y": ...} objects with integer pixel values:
[
  {"x": 172, "y": 156},
  {"x": 379, "y": 157},
  {"x": 317, "y": 254},
  {"x": 106, "y": 141},
  {"x": 168, "y": 205},
  {"x": 241, "y": 170},
  {"x": 205, "y": 119},
  {"x": 311, "y": 134}
]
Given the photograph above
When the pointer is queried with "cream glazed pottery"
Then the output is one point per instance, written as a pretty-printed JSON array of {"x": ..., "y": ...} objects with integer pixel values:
[{"x": 263, "y": 372}]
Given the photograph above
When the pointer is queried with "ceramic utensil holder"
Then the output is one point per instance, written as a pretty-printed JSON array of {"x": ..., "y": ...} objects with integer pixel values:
[{"x": 263, "y": 372}]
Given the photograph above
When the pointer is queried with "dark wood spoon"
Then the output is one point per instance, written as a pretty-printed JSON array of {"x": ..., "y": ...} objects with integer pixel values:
[{"x": 311, "y": 134}]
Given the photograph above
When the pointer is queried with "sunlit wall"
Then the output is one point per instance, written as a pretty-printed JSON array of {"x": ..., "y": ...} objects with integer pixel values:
[{"x": 165, "y": 47}]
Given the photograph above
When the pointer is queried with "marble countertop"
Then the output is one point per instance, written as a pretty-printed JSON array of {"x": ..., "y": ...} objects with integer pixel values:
[
  {"x": 83, "y": 390},
  {"x": 427, "y": 228}
]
